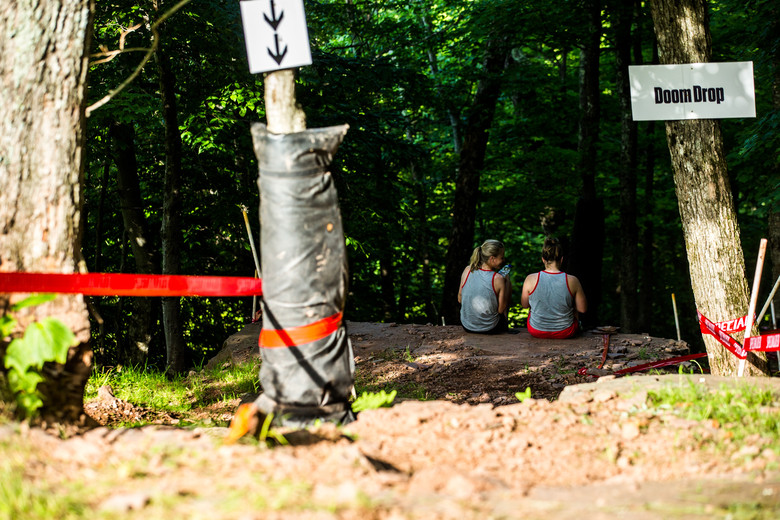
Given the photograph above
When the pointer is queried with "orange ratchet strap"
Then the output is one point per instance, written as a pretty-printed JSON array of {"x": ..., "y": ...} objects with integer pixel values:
[{"x": 273, "y": 338}]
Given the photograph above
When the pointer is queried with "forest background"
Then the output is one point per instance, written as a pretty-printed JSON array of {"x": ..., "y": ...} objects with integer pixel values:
[{"x": 468, "y": 120}]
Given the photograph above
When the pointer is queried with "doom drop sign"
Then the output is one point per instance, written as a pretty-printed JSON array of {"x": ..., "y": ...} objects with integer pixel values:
[{"x": 692, "y": 91}]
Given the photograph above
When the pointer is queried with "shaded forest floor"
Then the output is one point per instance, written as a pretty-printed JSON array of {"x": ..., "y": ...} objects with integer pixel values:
[{"x": 579, "y": 448}]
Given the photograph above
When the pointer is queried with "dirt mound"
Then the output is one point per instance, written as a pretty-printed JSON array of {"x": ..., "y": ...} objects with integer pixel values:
[{"x": 581, "y": 447}]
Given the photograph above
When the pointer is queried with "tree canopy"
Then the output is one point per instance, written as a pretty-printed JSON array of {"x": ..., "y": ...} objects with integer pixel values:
[{"x": 412, "y": 80}]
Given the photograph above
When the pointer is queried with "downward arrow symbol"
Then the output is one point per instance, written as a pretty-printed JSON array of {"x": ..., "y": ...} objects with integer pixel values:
[
  {"x": 277, "y": 57},
  {"x": 274, "y": 21}
]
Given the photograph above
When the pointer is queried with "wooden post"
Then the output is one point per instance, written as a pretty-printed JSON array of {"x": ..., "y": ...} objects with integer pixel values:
[
  {"x": 753, "y": 298},
  {"x": 282, "y": 112}
]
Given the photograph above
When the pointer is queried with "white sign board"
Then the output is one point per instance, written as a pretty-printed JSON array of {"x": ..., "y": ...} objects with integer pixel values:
[
  {"x": 276, "y": 34},
  {"x": 692, "y": 91}
]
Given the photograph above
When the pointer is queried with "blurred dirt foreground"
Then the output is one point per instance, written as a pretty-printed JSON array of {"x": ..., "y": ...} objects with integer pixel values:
[{"x": 580, "y": 447}]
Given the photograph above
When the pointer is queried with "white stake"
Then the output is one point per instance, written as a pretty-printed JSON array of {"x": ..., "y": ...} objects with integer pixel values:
[
  {"x": 254, "y": 255},
  {"x": 753, "y": 297},
  {"x": 676, "y": 319},
  {"x": 769, "y": 301}
]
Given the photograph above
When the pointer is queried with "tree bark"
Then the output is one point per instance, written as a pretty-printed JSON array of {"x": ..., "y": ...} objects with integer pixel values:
[
  {"x": 139, "y": 335},
  {"x": 701, "y": 180},
  {"x": 585, "y": 260},
  {"x": 43, "y": 75},
  {"x": 176, "y": 349},
  {"x": 629, "y": 255},
  {"x": 773, "y": 235},
  {"x": 471, "y": 161},
  {"x": 646, "y": 292}
]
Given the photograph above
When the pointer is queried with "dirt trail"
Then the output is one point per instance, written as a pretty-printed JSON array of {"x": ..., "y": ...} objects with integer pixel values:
[{"x": 581, "y": 448}]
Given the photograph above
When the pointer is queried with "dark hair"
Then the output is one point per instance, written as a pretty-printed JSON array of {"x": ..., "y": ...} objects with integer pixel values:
[{"x": 552, "y": 251}]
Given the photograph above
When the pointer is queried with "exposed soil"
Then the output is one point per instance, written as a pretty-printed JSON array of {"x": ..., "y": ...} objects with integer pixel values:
[{"x": 581, "y": 447}]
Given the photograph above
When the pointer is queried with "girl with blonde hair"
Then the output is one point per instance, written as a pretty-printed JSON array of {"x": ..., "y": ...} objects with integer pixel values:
[{"x": 484, "y": 293}]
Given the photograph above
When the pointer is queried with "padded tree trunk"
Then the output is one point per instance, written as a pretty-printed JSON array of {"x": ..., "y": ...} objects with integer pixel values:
[{"x": 304, "y": 277}]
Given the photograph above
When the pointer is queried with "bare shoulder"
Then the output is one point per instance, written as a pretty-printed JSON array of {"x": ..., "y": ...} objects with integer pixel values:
[
  {"x": 574, "y": 282},
  {"x": 530, "y": 281}
]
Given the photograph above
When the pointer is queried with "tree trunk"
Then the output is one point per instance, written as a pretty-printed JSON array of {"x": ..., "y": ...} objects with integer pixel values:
[
  {"x": 773, "y": 235},
  {"x": 139, "y": 335},
  {"x": 43, "y": 71},
  {"x": 585, "y": 260},
  {"x": 471, "y": 160},
  {"x": 645, "y": 311},
  {"x": 422, "y": 243},
  {"x": 704, "y": 197},
  {"x": 629, "y": 262},
  {"x": 176, "y": 349},
  {"x": 101, "y": 206}
]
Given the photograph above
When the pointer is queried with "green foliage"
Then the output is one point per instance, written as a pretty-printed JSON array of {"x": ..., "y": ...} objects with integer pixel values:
[
  {"x": 740, "y": 409},
  {"x": 522, "y": 396},
  {"x": 43, "y": 341},
  {"x": 373, "y": 400},
  {"x": 403, "y": 76},
  {"x": 22, "y": 497},
  {"x": 155, "y": 390}
]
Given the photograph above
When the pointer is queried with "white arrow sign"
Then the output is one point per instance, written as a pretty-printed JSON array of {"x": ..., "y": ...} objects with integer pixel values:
[{"x": 276, "y": 34}]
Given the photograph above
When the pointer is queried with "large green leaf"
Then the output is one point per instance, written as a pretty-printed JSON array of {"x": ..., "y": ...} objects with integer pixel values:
[
  {"x": 35, "y": 299},
  {"x": 46, "y": 340}
]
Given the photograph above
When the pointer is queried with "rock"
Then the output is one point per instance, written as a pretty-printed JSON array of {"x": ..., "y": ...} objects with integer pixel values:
[{"x": 239, "y": 347}]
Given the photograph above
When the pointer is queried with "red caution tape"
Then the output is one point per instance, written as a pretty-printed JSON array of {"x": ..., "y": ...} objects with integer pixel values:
[
  {"x": 293, "y": 336},
  {"x": 730, "y": 326},
  {"x": 119, "y": 284},
  {"x": 708, "y": 327},
  {"x": 648, "y": 366},
  {"x": 660, "y": 363},
  {"x": 768, "y": 343}
]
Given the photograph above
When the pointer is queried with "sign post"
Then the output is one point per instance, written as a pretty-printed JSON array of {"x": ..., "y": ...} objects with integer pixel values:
[{"x": 307, "y": 370}]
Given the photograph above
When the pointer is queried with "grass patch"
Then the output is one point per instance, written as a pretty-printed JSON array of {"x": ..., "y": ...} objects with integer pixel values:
[
  {"x": 157, "y": 391},
  {"x": 22, "y": 498},
  {"x": 740, "y": 409}
]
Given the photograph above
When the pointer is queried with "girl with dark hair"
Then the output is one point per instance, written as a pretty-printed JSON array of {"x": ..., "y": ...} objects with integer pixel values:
[
  {"x": 554, "y": 297},
  {"x": 484, "y": 293}
]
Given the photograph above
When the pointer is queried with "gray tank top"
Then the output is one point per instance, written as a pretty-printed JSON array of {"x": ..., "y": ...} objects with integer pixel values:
[
  {"x": 479, "y": 302},
  {"x": 552, "y": 304}
]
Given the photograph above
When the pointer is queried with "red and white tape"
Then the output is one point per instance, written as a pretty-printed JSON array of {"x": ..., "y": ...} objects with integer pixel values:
[{"x": 122, "y": 284}]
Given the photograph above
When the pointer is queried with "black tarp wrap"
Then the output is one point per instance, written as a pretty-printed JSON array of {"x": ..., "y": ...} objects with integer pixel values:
[{"x": 304, "y": 264}]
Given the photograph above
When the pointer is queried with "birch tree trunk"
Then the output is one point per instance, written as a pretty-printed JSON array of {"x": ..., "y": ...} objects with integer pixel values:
[
  {"x": 43, "y": 70},
  {"x": 701, "y": 180}
]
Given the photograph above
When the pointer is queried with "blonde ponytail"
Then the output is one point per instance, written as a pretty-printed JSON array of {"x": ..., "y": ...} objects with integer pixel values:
[
  {"x": 482, "y": 253},
  {"x": 476, "y": 260}
]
